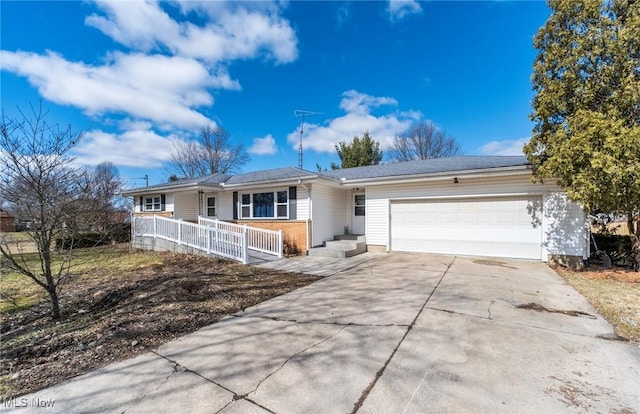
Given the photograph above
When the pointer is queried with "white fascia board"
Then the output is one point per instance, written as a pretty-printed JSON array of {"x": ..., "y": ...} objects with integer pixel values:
[{"x": 177, "y": 188}]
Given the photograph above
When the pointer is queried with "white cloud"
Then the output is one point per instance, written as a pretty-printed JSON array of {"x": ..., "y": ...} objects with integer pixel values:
[
  {"x": 134, "y": 148},
  {"x": 357, "y": 120},
  {"x": 164, "y": 75},
  {"x": 506, "y": 147},
  {"x": 399, "y": 9},
  {"x": 264, "y": 146},
  {"x": 155, "y": 87},
  {"x": 233, "y": 30},
  {"x": 361, "y": 103},
  {"x": 344, "y": 14}
]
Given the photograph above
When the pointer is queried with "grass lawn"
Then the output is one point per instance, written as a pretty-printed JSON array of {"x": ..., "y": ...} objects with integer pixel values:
[
  {"x": 119, "y": 303},
  {"x": 615, "y": 293}
]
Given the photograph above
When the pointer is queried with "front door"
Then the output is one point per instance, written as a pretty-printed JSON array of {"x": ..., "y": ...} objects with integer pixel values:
[{"x": 358, "y": 214}]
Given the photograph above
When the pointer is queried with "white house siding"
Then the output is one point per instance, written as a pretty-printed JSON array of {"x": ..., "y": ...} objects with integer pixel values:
[
  {"x": 559, "y": 241},
  {"x": 564, "y": 227},
  {"x": 302, "y": 204},
  {"x": 225, "y": 205},
  {"x": 329, "y": 208},
  {"x": 186, "y": 206}
]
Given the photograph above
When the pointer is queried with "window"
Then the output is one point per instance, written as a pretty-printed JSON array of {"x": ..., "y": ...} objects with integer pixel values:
[
  {"x": 153, "y": 203},
  {"x": 246, "y": 206},
  {"x": 211, "y": 206},
  {"x": 274, "y": 204},
  {"x": 262, "y": 205},
  {"x": 282, "y": 204},
  {"x": 359, "y": 201}
]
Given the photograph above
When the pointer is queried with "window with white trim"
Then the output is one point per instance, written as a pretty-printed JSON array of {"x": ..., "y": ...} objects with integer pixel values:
[
  {"x": 211, "y": 206},
  {"x": 270, "y": 204},
  {"x": 282, "y": 204},
  {"x": 152, "y": 203},
  {"x": 245, "y": 208}
]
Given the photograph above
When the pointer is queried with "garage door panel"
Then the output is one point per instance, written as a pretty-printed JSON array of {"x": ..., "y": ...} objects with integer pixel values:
[{"x": 500, "y": 227}]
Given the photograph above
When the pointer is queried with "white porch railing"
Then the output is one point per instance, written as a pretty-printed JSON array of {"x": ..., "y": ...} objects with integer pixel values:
[
  {"x": 230, "y": 244},
  {"x": 217, "y": 237},
  {"x": 260, "y": 240}
]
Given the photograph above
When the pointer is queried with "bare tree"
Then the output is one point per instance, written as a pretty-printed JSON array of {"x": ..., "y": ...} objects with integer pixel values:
[
  {"x": 41, "y": 184},
  {"x": 186, "y": 159},
  {"x": 212, "y": 153},
  {"x": 104, "y": 186},
  {"x": 424, "y": 141}
]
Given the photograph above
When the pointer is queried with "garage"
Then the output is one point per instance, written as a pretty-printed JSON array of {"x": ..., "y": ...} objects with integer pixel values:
[{"x": 495, "y": 226}]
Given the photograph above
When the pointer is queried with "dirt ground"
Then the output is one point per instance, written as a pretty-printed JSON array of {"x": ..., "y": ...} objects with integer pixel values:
[{"x": 115, "y": 317}]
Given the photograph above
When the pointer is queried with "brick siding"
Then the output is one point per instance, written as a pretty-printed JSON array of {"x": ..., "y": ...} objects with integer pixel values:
[
  {"x": 294, "y": 232},
  {"x": 167, "y": 214}
]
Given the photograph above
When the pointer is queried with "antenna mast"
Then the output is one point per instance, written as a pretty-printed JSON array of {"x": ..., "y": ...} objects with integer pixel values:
[{"x": 299, "y": 113}]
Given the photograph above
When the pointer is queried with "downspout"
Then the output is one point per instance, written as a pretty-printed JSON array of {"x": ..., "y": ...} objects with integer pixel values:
[{"x": 310, "y": 210}]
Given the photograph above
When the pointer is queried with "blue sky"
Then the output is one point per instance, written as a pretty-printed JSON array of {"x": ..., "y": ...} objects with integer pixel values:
[{"x": 137, "y": 75}]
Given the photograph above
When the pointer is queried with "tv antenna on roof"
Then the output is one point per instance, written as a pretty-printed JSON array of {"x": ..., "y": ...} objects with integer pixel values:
[{"x": 299, "y": 113}]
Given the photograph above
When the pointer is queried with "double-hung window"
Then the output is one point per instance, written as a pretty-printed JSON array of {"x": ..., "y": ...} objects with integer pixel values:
[
  {"x": 211, "y": 206},
  {"x": 271, "y": 204},
  {"x": 152, "y": 203}
]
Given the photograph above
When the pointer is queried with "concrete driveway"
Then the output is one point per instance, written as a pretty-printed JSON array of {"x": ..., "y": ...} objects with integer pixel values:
[{"x": 387, "y": 333}]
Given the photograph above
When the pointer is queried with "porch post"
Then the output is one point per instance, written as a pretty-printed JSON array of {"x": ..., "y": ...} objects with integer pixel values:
[
  {"x": 179, "y": 231},
  {"x": 245, "y": 245},
  {"x": 280, "y": 244}
]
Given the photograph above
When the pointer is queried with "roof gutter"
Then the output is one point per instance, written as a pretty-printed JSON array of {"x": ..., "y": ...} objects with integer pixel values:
[
  {"x": 268, "y": 183},
  {"x": 172, "y": 188}
]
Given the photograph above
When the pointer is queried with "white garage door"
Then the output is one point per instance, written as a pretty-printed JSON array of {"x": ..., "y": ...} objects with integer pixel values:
[{"x": 498, "y": 227}]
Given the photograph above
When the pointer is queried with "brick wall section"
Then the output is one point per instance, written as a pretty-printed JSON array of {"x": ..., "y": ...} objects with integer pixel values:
[
  {"x": 294, "y": 233},
  {"x": 167, "y": 214}
]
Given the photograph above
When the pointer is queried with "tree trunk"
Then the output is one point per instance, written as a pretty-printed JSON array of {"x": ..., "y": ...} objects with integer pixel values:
[
  {"x": 634, "y": 235},
  {"x": 55, "y": 303},
  {"x": 631, "y": 227}
]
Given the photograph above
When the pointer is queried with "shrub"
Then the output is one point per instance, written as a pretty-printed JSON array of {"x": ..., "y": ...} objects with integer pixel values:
[
  {"x": 120, "y": 232},
  {"x": 83, "y": 240},
  {"x": 617, "y": 247}
]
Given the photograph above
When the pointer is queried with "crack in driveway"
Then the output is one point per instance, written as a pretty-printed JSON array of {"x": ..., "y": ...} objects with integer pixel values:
[
  {"x": 277, "y": 319},
  {"x": 489, "y": 309},
  {"x": 178, "y": 367},
  {"x": 367, "y": 390},
  {"x": 290, "y": 358}
]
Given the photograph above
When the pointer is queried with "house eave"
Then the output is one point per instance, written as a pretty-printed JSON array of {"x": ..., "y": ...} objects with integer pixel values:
[
  {"x": 176, "y": 188},
  {"x": 269, "y": 183},
  {"x": 484, "y": 173}
]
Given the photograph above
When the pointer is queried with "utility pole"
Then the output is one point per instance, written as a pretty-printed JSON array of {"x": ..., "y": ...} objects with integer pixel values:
[{"x": 299, "y": 113}]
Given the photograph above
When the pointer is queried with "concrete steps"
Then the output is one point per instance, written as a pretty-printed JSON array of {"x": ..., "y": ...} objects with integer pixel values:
[{"x": 342, "y": 246}]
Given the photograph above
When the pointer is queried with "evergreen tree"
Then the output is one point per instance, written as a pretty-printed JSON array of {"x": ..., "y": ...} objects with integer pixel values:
[
  {"x": 586, "y": 108},
  {"x": 358, "y": 153}
]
